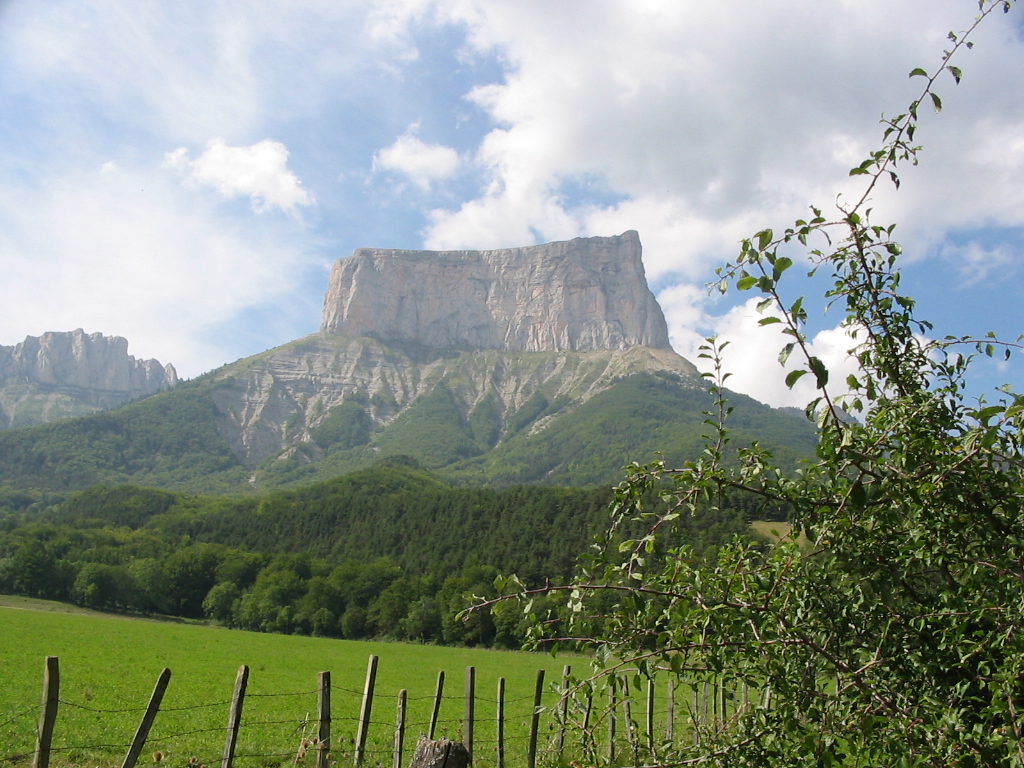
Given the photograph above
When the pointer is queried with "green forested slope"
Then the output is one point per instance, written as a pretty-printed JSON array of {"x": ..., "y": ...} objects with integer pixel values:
[
  {"x": 171, "y": 440},
  {"x": 395, "y": 509},
  {"x": 167, "y": 440},
  {"x": 391, "y": 550},
  {"x": 636, "y": 419}
]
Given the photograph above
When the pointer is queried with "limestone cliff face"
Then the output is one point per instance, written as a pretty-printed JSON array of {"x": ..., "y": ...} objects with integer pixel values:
[
  {"x": 581, "y": 295},
  {"x": 278, "y": 400},
  {"x": 60, "y": 375}
]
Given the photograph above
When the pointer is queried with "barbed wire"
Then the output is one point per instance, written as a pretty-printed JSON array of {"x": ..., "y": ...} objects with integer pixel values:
[
  {"x": 16, "y": 758},
  {"x": 21, "y": 713},
  {"x": 292, "y": 721},
  {"x": 172, "y": 736},
  {"x": 196, "y": 706},
  {"x": 445, "y": 726},
  {"x": 87, "y": 708}
]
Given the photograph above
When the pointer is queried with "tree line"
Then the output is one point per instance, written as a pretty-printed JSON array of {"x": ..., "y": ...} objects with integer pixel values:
[{"x": 387, "y": 552}]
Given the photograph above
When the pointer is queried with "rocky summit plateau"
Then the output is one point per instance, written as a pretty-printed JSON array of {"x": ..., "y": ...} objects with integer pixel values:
[
  {"x": 542, "y": 364},
  {"x": 61, "y": 375},
  {"x": 581, "y": 295}
]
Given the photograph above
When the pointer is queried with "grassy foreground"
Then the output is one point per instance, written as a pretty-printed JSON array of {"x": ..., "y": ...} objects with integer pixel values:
[{"x": 108, "y": 666}]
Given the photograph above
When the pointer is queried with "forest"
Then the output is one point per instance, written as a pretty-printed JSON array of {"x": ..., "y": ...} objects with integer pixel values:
[{"x": 389, "y": 552}]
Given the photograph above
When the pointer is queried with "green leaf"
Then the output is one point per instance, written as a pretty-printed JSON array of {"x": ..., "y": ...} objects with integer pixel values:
[
  {"x": 764, "y": 239},
  {"x": 785, "y": 353},
  {"x": 955, "y": 71},
  {"x": 820, "y": 371},
  {"x": 918, "y": 72},
  {"x": 936, "y": 102},
  {"x": 781, "y": 265},
  {"x": 858, "y": 495},
  {"x": 746, "y": 283},
  {"x": 769, "y": 320},
  {"x": 793, "y": 377}
]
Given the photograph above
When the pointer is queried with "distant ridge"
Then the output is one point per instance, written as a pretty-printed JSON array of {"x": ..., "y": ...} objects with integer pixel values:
[
  {"x": 544, "y": 364},
  {"x": 60, "y": 375}
]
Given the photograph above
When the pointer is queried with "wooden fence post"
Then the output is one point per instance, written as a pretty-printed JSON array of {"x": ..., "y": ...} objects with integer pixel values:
[
  {"x": 650, "y": 713},
  {"x": 467, "y": 720},
  {"x": 437, "y": 705},
  {"x": 670, "y": 710},
  {"x": 235, "y": 716},
  {"x": 627, "y": 707},
  {"x": 48, "y": 712},
  {"x": 400, "y": 728},
  {"x": 147, "y": 720},
  {"x": 323, "y": 716},
  {"x": 538, "y": 691},
  {"x": 695, "y": 717},
  {"x": 563, "y": 709},
  {"x": 499, "y": 726},
  {"x": 365, "y": 710},
  {"x": 612, "y": 703}
]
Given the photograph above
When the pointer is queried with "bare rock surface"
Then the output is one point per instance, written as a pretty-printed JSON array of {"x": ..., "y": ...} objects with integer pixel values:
[
  {"x": 574, "y": 296},
  {"x": 64, "y": 374},
  {"x": 275, "y": 400}
]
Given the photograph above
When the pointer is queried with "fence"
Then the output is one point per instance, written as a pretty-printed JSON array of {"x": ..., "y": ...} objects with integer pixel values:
[{"x": 625, "y": 723}]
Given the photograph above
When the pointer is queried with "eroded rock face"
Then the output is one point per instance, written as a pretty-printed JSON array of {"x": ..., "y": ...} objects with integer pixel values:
[
  {"x": 581, "y": 295},
  {"x": 64, "y": 374},
  {"x": 275, "y": 401}
]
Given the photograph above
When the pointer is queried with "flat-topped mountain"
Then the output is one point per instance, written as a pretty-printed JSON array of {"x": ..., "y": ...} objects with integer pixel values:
[
  {"x": 581, "y": 295},
  {"x": 543, "y": 364},
  {"x": 60, "y": 375}
]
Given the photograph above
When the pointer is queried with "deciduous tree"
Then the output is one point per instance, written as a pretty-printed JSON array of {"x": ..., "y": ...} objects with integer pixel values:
[{"x": 892, "y": 634}]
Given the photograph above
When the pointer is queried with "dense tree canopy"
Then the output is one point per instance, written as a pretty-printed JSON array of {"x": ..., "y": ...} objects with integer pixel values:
[{"x": 892, "y": 636}]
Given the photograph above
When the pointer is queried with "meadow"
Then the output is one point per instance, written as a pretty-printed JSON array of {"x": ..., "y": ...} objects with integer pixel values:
[{"x": 109, "y": 664}]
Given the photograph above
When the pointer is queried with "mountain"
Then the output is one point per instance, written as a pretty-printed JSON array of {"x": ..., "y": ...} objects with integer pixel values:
[
  {"x": 62, "y": 375},
  {"x": 580, "y": 295},
  {"x": 544, "y": 364}
]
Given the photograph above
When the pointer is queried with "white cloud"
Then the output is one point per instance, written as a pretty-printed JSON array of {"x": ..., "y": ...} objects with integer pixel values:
[
  {"x": 975, "y": 263},
  {"x": 259, "y": 172},
  {"x": 712, "y": 121},
  {"x": 423, "y": 163},
  {"x": 130, "y": 253},
  {"x": 752, "y": 355},
  {"x": 698, "y": 122}
]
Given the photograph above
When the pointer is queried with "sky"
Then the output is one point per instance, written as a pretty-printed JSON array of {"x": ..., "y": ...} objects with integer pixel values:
[{"x": 184, "y": 174}]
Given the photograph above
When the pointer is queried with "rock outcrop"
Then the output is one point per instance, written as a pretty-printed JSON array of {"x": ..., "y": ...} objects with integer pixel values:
[
  {"x": 64, "y": 374},
  {"x": 581, "y": 295},
  {"x": 274, "y": 401}
]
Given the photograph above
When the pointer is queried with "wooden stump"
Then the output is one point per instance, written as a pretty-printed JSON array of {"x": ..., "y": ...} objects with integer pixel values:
[{"x": 443, "y": 753}]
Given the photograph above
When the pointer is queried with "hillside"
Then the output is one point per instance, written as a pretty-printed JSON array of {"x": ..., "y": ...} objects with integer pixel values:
[
  {"x": 391, "y": 550},
  {"x": 543, "y": 364},
  {"x": 184, "y": 439}
]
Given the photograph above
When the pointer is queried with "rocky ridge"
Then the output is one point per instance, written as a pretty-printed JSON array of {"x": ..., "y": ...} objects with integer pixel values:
[
  {"x": 580, "y": 295},
  {"x": 64, "y": 374},
  {"x": 280, "y": 399},
  {"x": 562, "y": 319},
  {"x": 541, "y": 364}
]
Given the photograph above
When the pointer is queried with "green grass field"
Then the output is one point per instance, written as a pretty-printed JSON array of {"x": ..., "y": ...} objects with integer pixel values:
[{"x": 109, "y": 664}]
